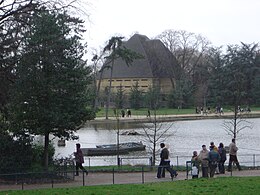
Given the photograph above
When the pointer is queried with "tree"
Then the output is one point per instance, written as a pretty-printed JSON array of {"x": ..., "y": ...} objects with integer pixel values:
[
  {"x": 50, "y": 94},
  {"x": 136, "y": 96},
  {"x": 119, "y": 98},
  {"x": 190, "y": 50},
  {"x": 117, "y": 50},
  {"x": 155, "y": 132}
]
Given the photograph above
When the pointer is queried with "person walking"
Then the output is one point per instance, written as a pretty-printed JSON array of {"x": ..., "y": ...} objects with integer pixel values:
[
  {"x": 233, "y": 155},
  {"x": 214, "y": 158},
  {"x": 223, "y": 157},
  {"x": 165, "y": 163},
  {"x": 79, "y": 160},
  {"x": 203, "y": 158}
]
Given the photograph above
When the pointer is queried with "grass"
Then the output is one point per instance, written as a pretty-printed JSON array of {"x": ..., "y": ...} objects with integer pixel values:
[
  {"x": 161, "y": 111},
  {"x": 143, "y": 111},
  {"x": 220, "y": 185}
]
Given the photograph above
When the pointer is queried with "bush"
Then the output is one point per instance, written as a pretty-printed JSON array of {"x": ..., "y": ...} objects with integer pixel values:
[{"x": 16, "y": 153}]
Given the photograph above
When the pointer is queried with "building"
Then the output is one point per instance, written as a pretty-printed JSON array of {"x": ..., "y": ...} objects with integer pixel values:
[{"x": 156, "y": 68}]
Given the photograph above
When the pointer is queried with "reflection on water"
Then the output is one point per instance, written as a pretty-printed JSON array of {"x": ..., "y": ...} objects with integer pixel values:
[{"x": 184, "y": 137}]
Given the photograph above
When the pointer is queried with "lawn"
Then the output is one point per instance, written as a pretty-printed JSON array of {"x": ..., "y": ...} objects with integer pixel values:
[
  {"x": 162, "y": 111},
  {"x": 220, "y": 185}
]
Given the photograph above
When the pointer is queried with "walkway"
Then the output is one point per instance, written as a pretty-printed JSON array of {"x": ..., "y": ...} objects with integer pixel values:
[{"x": 119, "y": 178}]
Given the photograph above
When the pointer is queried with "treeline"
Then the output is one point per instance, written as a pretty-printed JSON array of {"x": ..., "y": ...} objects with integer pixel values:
[{"x": 204, "y": 75}]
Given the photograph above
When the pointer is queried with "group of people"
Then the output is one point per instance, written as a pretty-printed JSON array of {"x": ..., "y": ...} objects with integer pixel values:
[
  {"x": 128, "y": 113},
  {"x": 210, "y": 161},
  {"x": 213, "y": 160}
]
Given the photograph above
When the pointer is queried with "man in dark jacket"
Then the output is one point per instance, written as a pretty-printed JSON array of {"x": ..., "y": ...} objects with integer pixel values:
[
  {"x": 213, "y": 160},
  {"x": 165, "y": 163}
]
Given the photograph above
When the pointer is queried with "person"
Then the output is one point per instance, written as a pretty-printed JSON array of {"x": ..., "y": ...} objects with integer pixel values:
[
  {"x": 213, "y": 161},
  {"x": 165, "y": 163},
  {"x": 148, "y": 113},
  {"x": 123, "y": 113},
  {"x": 216, "y": 149},
  {"x": 233, "y": 155},
  {"x": 195, "y": 165},
  {"x": 223, "y": 157},
  {"x": 79, "y": 160},
  {"x": 128, "y": 113},
  {"x": 203, "y": 158}
]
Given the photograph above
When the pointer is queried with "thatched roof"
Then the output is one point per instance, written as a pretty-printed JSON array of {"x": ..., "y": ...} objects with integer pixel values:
[{"x": 158, "y": 61}]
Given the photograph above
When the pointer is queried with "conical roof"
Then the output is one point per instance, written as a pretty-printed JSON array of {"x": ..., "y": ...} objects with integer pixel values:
[{"x": 157, "y": 61}]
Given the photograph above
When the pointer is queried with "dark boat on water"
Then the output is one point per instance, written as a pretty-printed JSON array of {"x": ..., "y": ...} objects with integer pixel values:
[
  {"x": 112, "y": 149},
  {"x": 130, "y": 146}
]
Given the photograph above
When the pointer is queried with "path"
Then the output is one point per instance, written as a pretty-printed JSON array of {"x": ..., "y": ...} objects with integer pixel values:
[{"x": 119, "y": 178}]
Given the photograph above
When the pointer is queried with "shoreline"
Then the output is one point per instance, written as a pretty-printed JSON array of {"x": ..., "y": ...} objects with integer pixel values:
[{"x": 171, "y": 118}]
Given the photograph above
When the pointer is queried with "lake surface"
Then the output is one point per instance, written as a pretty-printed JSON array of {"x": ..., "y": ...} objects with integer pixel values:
[{"x": 183, "y": 138}]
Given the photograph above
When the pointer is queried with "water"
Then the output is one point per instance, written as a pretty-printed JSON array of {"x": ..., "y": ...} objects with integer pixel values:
[{"x": 183, "y": 138}]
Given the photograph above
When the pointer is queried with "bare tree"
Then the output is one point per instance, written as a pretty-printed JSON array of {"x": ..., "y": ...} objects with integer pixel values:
[
  {"x": 187, "y": 47},
  {"x": 235, "y": 125},
  {"x": 156, "y": 132}
]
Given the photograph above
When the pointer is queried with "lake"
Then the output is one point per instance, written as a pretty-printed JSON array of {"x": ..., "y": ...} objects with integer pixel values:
[{"x": 183, "y": 138}]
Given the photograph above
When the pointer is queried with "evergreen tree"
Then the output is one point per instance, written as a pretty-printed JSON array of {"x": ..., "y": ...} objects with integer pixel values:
[
  {"x": 119, "y": 99},
  {"x": 135, "y": 96},
  {"x": 50, "y": 92}
]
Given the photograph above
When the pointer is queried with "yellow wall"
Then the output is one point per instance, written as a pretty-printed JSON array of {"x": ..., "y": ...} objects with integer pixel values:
[{"x": 143, "y": 83}]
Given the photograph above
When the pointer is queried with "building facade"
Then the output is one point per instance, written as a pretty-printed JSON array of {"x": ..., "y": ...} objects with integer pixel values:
[{"x": 156, "y": 68}]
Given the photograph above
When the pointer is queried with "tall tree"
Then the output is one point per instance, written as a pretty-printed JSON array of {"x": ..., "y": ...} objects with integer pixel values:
[
  {"x": 115, "y": 51},
  {"x": 50, "y": 92},
  {"x": 189, "y": 50}
]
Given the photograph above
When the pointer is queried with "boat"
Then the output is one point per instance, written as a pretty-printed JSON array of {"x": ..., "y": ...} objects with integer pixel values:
[
  {"x": 130, "y": 146},
  {"x": 103, "y": 151},
  {"x": 112, "y": 149}
]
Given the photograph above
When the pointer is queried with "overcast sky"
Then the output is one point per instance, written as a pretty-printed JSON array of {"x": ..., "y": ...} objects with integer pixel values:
[{"x": 223, "y": 22}]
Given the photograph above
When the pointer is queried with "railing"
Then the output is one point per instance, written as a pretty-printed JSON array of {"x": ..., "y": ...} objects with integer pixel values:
[
  {"x": 64, "y": 175},
  {"x": 250, "y": 160}
]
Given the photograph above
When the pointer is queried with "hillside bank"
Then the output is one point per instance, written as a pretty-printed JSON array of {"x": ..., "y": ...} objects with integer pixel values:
[{"x": 171, "y": 118}]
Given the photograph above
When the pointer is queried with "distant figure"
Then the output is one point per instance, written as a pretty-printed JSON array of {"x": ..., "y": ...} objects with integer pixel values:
[
  {"x": 79, "y": 160},
  {"x": 233, "y": 155},
  {"x": 148, "y": 113},
  {"x": 123, "y": 113},
  {"x": 203, "y": 158},
  {"x": 128, "y": 112},
  {"x": 223, "y": 157},
  {"x": 165, "y": 163},
  {"x": 195, "y": 165},
  {"x": 214, "y": 158},
  {"x": 221, "y": 111}
]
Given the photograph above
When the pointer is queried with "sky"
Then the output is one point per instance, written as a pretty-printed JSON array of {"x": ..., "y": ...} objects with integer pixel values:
[{"x": 222, "y": 22}]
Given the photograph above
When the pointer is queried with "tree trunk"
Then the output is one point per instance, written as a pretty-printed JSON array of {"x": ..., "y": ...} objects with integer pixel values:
[
  {"x": 46, "y": 151},
  {"x": 109, "y": 90},
  {"x": 97, "y": 91}
]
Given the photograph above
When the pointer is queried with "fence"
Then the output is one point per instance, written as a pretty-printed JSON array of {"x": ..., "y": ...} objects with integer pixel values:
[
  {"x": 250, "y": 160},
  {"x": 63, "y": 175}
]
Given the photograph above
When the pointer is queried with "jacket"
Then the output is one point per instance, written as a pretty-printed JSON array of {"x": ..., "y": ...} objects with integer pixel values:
[{"x": 233, "y": 149}]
